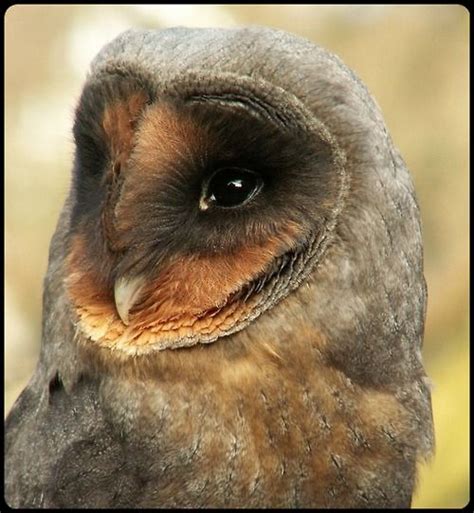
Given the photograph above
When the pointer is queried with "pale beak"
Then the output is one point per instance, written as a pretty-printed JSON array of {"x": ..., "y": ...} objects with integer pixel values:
[{"x": 127, "y": 292}]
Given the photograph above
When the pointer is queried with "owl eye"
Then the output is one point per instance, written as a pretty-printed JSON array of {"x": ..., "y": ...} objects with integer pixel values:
[{"x": 230, "y": 187}]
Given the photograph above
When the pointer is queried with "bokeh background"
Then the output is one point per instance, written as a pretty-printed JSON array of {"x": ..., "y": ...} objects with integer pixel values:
[{"x": 414, "y": 60}]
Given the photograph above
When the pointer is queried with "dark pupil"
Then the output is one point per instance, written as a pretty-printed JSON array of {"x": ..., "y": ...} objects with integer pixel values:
[{"x": 230, "y": 187}]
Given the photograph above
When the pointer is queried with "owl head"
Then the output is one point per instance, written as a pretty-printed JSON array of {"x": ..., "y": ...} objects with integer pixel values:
[
  {"x": 228, "y": 181},
  {"x": 201, "y": 199}
]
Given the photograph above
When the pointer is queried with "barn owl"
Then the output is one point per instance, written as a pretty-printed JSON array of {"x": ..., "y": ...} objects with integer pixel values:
[{"x": 234, "y": 305}]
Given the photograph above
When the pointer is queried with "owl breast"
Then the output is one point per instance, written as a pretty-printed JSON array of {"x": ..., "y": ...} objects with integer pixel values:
[{"x": 267, "y": 425}]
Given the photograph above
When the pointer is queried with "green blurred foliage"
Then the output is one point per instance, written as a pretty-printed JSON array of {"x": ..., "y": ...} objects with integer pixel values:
[{"x": 414, "y": 59}]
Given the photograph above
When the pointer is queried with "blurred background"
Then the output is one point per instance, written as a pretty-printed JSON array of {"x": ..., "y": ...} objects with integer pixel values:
[{"x": 414, "y": 60}]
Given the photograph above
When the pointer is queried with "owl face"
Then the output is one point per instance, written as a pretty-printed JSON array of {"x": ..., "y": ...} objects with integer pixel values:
[{"x": 196, "y": 207}]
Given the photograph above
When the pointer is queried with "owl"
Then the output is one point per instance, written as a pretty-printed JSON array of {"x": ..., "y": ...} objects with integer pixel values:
[{"x": 234, "y": 306}]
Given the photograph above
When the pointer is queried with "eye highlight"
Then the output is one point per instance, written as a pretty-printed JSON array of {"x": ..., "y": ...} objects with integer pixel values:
[{"x": 230, "y": 187}]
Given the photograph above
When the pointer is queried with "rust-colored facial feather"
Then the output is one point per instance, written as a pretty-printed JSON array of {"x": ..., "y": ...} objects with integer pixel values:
[
  {"x": 164, "y": 139},
  {"x": 119, "y": 122},
  {"x": 194, "y": 285},
  {"x": 190, "y": 295},
  {"x": 165, "y": 135}
]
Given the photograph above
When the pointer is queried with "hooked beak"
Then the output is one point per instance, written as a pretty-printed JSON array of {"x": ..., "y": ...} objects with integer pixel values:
[{"x": 126, "y": 293}]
